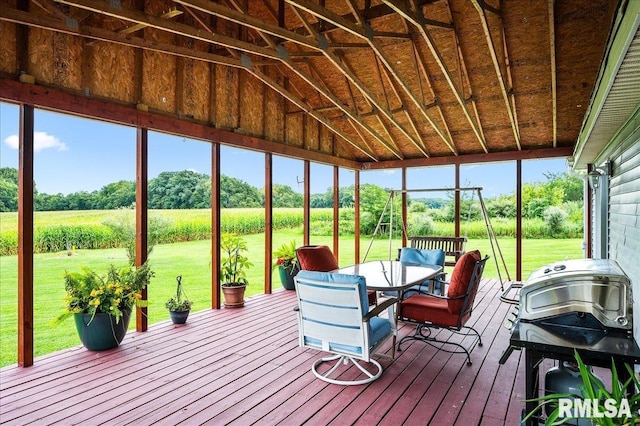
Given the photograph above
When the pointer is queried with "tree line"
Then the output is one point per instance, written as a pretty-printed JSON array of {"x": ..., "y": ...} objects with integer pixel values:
[{"x": 192, "y": 190}]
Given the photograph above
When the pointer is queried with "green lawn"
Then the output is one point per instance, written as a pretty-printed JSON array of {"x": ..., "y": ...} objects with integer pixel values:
[{"x": 191, "y": 260}]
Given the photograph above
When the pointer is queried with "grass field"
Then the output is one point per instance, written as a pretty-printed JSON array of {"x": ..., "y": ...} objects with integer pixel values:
[{"x": 191, "y": 260}]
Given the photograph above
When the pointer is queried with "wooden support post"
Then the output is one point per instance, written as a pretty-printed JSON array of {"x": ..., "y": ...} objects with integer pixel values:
[
  {"x": 518, "y": 220},
  {"x": 356, "y": 224},
  {"x": 142, "y": 212},
  {"x": 268, "y": 222},
  {"x": 457, "y": 201},
  {"x": 215, "y": 226},
  {"x": 307, "y": 202},
  {"x": 25, "y": 236},
  {"x": 404, "y": 206},
  {"x": 336, "y": 212}
]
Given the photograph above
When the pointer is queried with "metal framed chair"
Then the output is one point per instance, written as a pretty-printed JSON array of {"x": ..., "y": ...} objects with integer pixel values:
[
  {"x": 451, "y": 312},
  {"x": 333, "y": 316}
]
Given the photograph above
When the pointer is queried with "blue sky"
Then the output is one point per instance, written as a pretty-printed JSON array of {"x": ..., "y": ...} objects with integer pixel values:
[{"x": 75, "y": 154}]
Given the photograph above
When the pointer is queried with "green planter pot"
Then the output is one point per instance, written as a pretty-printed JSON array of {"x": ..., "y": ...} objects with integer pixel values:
[
  {"x": 102, "y": 332},
  {"x": 286, "y": 278}
]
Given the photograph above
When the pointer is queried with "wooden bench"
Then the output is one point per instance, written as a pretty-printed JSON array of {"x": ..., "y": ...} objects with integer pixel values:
[{"x": 453, "y": 247}]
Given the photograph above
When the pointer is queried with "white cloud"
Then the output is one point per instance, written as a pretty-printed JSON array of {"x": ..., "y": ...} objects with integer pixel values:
[
  {"x": 389, "y": 171},
  {"x": 42, "y": 140}
]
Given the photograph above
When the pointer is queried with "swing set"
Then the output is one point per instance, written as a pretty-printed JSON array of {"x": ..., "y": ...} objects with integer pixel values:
[{"x": 389, "y": 206}]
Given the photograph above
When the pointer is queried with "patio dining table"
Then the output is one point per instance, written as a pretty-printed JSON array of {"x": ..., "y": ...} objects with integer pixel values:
[{"x": 392, "y": 275}]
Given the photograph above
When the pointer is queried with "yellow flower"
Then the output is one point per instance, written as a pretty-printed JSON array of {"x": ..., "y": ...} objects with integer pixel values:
[{"x": 95, "y": 302}]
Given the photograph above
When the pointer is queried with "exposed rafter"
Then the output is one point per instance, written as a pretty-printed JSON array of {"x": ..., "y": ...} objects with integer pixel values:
[
  {"x": 366, "y": 33},
  {"x": 316, "y": 42},
  {"x": 498, "y": 71},
  {"x": 416, "y": 19},
  {"x": 384, "y": 81}
]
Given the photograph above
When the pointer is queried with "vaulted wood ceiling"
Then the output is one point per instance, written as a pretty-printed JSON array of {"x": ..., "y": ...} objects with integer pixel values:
[{"x": 375, "y": 83}]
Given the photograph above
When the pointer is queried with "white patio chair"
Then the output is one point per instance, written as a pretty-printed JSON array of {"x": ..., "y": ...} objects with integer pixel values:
[{"x": 333, "y": 316}]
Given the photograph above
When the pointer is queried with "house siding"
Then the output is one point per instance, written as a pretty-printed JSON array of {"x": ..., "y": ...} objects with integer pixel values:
[{"x": 624, "y": 206}]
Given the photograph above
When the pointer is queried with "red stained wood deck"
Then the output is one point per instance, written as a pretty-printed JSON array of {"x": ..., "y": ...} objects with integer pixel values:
[{"x": 244, "y": 366}]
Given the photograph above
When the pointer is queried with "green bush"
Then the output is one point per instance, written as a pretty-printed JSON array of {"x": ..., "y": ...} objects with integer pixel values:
[{"x": 555, "y": 218}]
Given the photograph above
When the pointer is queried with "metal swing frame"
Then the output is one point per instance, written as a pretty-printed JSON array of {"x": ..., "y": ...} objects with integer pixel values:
[{"x": 493, "y": 239}]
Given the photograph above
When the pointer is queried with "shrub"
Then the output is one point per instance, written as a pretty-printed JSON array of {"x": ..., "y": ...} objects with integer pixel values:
[{"x": 555, "y": 218}]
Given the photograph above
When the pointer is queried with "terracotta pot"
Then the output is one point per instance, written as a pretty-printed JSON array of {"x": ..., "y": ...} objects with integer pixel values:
[{"x": 233, "y": 295}]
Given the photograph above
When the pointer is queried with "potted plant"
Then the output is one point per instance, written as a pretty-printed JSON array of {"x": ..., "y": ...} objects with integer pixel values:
[
  {"x": 287, "y": 264},
  {"x": 101, "y": 304},
  {"x": 233, "y": 265},
  {"x": 608, "y": 408},
  {"x": 179, "y": 305}
]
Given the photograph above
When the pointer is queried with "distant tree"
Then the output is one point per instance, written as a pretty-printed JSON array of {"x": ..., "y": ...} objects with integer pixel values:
[
  {"x": 175, "y": 190},
  {"x": 8, "y": 189},
  {"x": 571, "y": 186},
  {"x": 117, "y": 194},
  {"x": 51, "y": 202},
  {"x": 285, "y": 196},
  {"x": 81, "y": 200},
  {"x": 503, "y": 206},
  {"x": 235, "y": 193}
]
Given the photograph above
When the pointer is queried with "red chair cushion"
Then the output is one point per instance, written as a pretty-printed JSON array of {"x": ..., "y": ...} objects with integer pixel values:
[
  {"x": 321, "y": 259},
  {"x": 425, "y": 308},
  {"x": 316, "y": 258},
  {"x": 460, "y": 278}
]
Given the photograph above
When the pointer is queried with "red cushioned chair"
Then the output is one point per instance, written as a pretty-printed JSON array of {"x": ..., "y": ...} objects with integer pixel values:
[
  {"x": 321, "y": 259},
  {"x": 450, "y": 312}
]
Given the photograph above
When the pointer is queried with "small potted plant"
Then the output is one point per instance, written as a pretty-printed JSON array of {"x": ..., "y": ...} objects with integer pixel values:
[
  {"x": 233, "y": 265},
  {"x": 287, "y": 264},
  {"x": 101, "y": 304},
  {"x": 179, "y": 305}
]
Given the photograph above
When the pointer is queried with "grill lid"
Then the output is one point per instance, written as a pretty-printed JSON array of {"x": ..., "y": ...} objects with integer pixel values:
[{"x": 584, "y": 287}]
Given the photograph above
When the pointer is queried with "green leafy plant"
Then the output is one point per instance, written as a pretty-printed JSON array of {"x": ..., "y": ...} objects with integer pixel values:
[
  {"x": 286, "y": 257},
  {"x": 180, "y": 302},
  {"x": 592, "y": 389},
  {"x": 117, "y": 290},
  {"x": 233, "y": 262}
]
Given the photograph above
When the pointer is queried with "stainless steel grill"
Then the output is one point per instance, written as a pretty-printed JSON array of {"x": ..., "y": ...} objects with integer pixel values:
[{"x": 589, "y": 293}]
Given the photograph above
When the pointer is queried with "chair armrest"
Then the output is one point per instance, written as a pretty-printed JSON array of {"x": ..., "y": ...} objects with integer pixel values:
[{"x": 381, "y": 307}]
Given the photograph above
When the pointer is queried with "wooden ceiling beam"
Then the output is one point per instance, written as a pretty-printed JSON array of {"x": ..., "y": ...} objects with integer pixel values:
[
  {"x": 259, "y": 25},
  {"x": 416, "y": 19},
  {"x": 367, "y": 34},
  {"x": 54, "y": 25},
  {"x": 530, "y": 154},
  {"x": 78, "y": 104},
  {"x": 308, "y": 42},
  {"x": 170, "y": 26},
  {"x": 403, "y": 108},
  {"x": 19, "y": 17},
  {"x": 136, "y": 27},
  {"x": 229, "y": 42},
  {"x": 435, "y": 104},
  {"x": 498, "y": 71}
]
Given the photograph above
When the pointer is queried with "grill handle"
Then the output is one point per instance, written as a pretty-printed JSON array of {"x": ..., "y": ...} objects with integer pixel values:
[{"x": 504, "y": 297}]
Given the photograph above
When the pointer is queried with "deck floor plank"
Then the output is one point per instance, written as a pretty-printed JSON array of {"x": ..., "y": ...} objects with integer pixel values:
[{"x": 244, "y": 366}]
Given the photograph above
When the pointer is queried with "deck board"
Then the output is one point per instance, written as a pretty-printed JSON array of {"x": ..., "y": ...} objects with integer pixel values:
[{"x": 244, "y": 366}]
